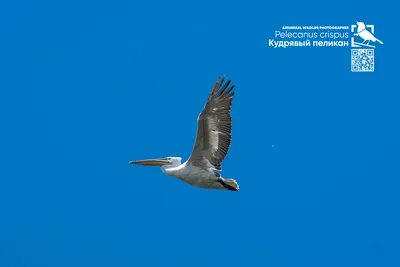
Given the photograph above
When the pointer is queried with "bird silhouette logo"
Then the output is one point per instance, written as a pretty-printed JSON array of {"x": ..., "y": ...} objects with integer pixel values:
[{"x": 365, "y": 34}]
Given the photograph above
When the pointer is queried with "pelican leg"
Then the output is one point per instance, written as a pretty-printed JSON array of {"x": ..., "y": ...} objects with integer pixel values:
[{"x": 228, "y": 184}]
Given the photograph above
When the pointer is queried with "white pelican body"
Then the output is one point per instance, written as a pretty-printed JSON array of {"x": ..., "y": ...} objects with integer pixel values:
[
  {"x": 194, "y": 175},
  {"x": 212, "y": 144}
]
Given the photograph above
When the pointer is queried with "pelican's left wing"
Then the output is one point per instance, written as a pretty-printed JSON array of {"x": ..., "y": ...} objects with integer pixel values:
[{"x": 214, "y": 127}]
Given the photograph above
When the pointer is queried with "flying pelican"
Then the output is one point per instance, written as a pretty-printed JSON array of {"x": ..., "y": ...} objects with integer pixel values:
[{"x": 213, "y": 139}]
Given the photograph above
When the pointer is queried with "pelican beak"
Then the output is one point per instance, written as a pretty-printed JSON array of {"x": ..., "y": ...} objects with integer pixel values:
[{"x": 151, "y": 162}]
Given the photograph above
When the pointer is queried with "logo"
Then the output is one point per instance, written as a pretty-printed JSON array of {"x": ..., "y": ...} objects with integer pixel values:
[
  {"x": 366, "y": 33},
  {"x": 363, "y": 59},
  {"x": 359, "y": 37}
]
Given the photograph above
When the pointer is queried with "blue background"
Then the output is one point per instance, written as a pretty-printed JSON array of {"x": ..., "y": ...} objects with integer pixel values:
[{"x": 88, "y": 86}]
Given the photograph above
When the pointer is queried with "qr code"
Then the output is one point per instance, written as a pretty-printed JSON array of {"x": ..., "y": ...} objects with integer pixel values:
[{"x": 362, "y": 60}]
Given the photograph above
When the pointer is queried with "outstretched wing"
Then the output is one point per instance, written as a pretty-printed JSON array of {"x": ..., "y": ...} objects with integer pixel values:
[{"x": 214, "y": 128}]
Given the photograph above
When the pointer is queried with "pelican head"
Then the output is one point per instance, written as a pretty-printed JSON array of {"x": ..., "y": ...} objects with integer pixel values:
[{"x": 158, "y": 162}]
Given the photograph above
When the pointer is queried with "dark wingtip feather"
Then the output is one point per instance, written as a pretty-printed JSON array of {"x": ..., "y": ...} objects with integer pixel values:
[
  {"x": 230, "y": 89},
  {"x": 224, "y": 87},
  {"x": 217, "y": 84}
]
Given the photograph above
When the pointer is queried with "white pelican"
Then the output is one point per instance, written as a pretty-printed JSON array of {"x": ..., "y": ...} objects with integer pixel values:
[{"x": 213, "y": 139}]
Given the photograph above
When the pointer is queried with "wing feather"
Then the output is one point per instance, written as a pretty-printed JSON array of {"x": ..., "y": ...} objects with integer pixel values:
[{"x": 214, "y": 127}]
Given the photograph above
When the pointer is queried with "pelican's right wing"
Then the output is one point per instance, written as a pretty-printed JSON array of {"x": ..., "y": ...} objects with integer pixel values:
[{"x": 214, "y": 129}]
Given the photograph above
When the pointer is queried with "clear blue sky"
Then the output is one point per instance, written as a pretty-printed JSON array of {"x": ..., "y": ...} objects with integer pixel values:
[{"x": 88, "y": 86}]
